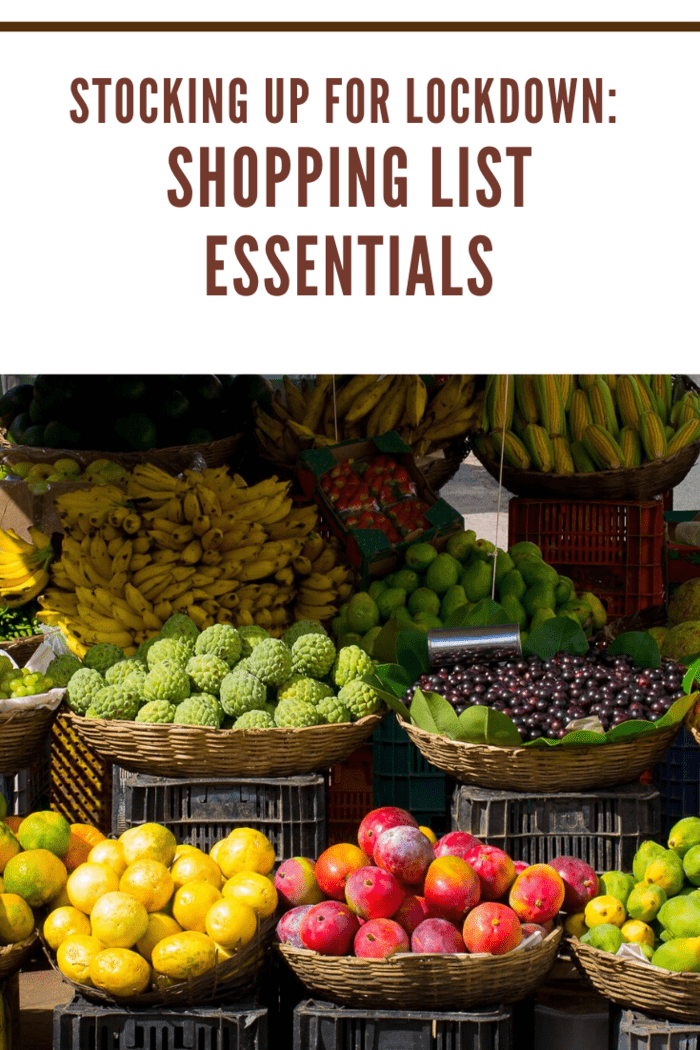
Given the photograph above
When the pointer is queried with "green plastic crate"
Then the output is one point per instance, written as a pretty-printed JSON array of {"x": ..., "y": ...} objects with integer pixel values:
[{"x": 404, "y": 778}]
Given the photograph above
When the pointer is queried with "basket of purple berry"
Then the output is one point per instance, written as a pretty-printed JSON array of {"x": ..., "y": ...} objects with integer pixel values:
[{"x": 567, "y": 720}]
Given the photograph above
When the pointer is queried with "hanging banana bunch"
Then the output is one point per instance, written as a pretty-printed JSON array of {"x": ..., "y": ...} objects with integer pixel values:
[{"x": 23, "y": 566}]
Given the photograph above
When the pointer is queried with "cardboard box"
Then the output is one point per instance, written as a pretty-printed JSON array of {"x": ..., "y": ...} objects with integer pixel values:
[
  {"x": 369, "y": 550},
  {"x": 683, "y": 560}
]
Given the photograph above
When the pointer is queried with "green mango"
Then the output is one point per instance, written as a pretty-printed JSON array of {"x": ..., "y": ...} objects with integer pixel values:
[
  {"x": 645, "y": 901},
  {"x": 646, "y": 851},
  {"x": 461, "y": 545},
  {"x": 616, "y": 884},
  {"x": 682, "y": 955},
  {"x": 684, "y": 834},
  {"x": 666, "y": 870},
  {"x": 512, "y": 583},
  {"x": 514, "y": 610},
  {"x": 681, "y": 916},
  {"x": 534, "y": 570},
  {"x": 476, "y": 581},
  {"x": 419, "y": 556},
  {"x": 504, "y": 564},
  {"x": 524, "y": 549},
  {"x": 442, "y": 573},
  {"x": 599, "y": 615},
  {"x": 605, "y": 937},
  {"x": 426, "y": 621},
  {"x": 539, "y": 596},
  {"x": 389, "y": 600},
  {"x": 564, "y": 590},
  {"x": 424, "y": 600},
  {"x": 484, "y": 549},
  {"x": 452, "y": 599},
  {"x": 691, "y": 865}
]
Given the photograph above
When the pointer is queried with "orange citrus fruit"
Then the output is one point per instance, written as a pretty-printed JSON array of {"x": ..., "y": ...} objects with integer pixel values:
[
  {"x": 160, "y": 925},
  {"x": 61, "y": 900},
  {"x": 245, "y": 849},
  {"x": 248, "y": 887},
  {"x": 45, "y": 830},
  {"x": 213, "y": 852},
  {"x": 191, "y": 904},
  {"x": 148, "y": 881},
  {"x": 9, "y": 846},
  {"x": 120, "y": 971},
  {"x": 184, "y": 955},
  {"x": 184, "y": 847},
  {"x": 88, "y": 882},
  {"x": 62, "y": 923},
  {"x": 37, "y": 875},
  {"x": 148, "y": 840},
  {"x": 230, "y": 923},
  {"x": 16, "y": 919},
  {"x": 195, "y": 866},
  {"x": 81, "y": 840},
  {"x": 118, "y": 920},
  {"x": 111, "y": 853},
  {"x": 74, "y": 955},
  {"x": 13, "y": 822}
]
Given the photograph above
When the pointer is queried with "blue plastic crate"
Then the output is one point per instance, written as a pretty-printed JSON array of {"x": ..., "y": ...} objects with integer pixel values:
[
  {"x": 404, "y": 778},
  {"x": 678, "y": 781}
]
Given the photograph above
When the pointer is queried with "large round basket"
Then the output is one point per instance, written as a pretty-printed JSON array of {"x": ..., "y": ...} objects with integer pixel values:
[
  {"x": 174, "y": 458},
  {"x": 233, "y": 978},
  {"x": 21, "y": 649},
  {"x": 639, "y": 986},
  {"x": 23, "y": 734},
  {"x": 429, "y": 982},
  {"x": 566, "y": 768},
  {"x": 14, "y": 956},
  {"x": 197, "y": 751},
  {"x": 442, "y": 467}
]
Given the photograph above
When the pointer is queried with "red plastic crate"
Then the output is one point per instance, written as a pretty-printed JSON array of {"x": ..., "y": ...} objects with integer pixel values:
[
  {"x": 614, "y": 549},
  {"x": 349, "y": 795}
]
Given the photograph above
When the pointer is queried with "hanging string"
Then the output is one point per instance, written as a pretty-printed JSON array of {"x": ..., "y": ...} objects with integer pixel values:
[
  {"x": 335, "y": 413},
  {"x": 500, "y": 487}
]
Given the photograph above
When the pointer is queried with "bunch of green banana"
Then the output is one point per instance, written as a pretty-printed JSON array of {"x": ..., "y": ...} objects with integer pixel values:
[
  {"x": 366, "y": 406},
  {"x": 564, "y": 424},
  {"x": 206, "y": 544},
  {"x": 324, "y": 578},
  {"x": 23, "y": 566}
]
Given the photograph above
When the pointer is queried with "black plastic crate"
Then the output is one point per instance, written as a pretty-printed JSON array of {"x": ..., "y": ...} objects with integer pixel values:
[
  {"x": 82, "y": 1025},
  {"x": 630, "y": 1030},
  {"x": 291, "y": 811},
  {"x": 605, "y": 828},
  {"x": 678, "y": 781},
  {"x": 403, "y": 777},
  {"x": 324, "y": 1026}
]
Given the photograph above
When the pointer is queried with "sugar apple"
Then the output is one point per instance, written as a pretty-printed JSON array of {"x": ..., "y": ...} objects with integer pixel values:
[
  {"x": 100, "y": 657},
  {"x": 82, "y": 689},
  {"x": 332, "y": 710},
  {"x": 167, "y": 680},
  {"x": 117, "y": 701},
  {"x": 123, "y": 669},
  {"x": 193, "y": 712},
  {"x": 351, "y": 662},
  {"x": 271, "y": 661},
  {"x": 295, "y": 714},
  {"x": 62, "y": 668},
  {"x": 156, "y": 711},
  {"x": 174, "y": 649},
  {"x": 360, "y": 698},
  {"x": 91, "y": 713},
  {"x": 255, "y": 720},
  {"x": 300, "y": 628},
  {"x": 212, "y": 701},
  {"x": 251, "y": 634},
  {"x": 207, "y": 672},
  {"x": 141, "y": 652},
  {"x": 301, "y": 687},
  {"x": 313, "y": 655},
  {"x": 242, "y": 691},
  {"x": 221, "y": 639},
  {"x": 179, "y": 625}
]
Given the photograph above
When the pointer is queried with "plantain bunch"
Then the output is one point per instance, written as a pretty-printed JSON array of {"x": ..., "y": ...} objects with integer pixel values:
[
  {"x": 565, "y": 424},
  {"x": 323, "y": 577},
  {"x": 365, "y": 406},
  {"x": 206, "y": 544}
]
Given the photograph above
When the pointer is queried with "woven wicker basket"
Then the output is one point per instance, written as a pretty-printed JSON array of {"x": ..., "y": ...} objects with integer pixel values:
[
  {"x": 441, "y": 468},
  {"x": 574, "y": 768},
  {"x": 638, "y": 986},
  {"x": 21, "y": 649},
  {"x": 233, "y": 978},
  {"x": 427, "y": 982},
  {"x": 23, "y": 734},
  {"x": 14, "y": 956},
  {"x": 196, "y": 751},
  {"x": 175, "y": 458}
]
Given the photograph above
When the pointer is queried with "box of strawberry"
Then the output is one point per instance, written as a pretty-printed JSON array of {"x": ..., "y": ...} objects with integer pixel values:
[{"x": 375, "y": 499}]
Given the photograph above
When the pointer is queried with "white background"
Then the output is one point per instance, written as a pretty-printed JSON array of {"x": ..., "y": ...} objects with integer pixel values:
[{"x": 597, "y": 272}]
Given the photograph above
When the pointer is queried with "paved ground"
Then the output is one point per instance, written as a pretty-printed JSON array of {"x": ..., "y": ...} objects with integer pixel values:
[{"x": 40, "y": 991}]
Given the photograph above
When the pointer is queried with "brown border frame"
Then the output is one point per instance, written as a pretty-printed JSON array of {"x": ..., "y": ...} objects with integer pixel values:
[{"x": 349, "y": 27}]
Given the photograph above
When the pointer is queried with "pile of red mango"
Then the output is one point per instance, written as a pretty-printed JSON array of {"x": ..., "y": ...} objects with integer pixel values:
[{"x": 399, "y": 891}]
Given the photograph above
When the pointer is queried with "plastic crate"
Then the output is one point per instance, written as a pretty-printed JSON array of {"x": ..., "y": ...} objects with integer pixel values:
[
  {"x": 82, "y": 1025},
  {"x": 81, "y": 782},
  {"x": 324, "y": 1026},
  {"x": 29, "y": 789},
  {"x": 630, "y": 1030},
  {"x": 350, "y": 795},
  {"x": 605, "y": 828},
  {"x": 614, "y": 549},
  {"x": 678, "y": 781},
  {"x": 291, "y": 811},
  {"x": 404, "y": 778}
]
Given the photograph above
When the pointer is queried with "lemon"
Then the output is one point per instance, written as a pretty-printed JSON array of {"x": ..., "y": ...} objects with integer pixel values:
[
  {"x": 605, "y": 909},
  {"x": 637, "y": 932},
  {"x": 575, "y": 925},
  {"x": 75, "y": 954},
  {"x": 120, "y": 971}
]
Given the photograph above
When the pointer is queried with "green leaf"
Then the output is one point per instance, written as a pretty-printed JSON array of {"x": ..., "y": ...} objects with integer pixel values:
[
  {"x": 388, "y": 694},
  {"x": 412, "y": 653},
  {"x": 421, "y": 712},
  {"x": 625, "y": 730},
  {"x": 676, "y": 712},
  {"x": 582, "y": 736},
  {"x": 385, "y": 643},
  {"x": 443, "y": 713},
  {"x": 486, "y": 613},
  {"x": 560, "y": 634},
  {"x": 394, "y": 677},
  {"x": 458, "y": 616},
  {"x": 640, "y": 645},
  {"x": 692, "y": 675},
  {"x": 482, "y": 725}
]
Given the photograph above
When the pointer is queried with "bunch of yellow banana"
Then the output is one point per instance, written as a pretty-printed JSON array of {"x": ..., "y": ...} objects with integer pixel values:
[
  {"x": 23, "y": 566},
  {"x": 324, "y": 578},
  {"x": 365, "y": 406},
  {"x": 206, "y": 544}
]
